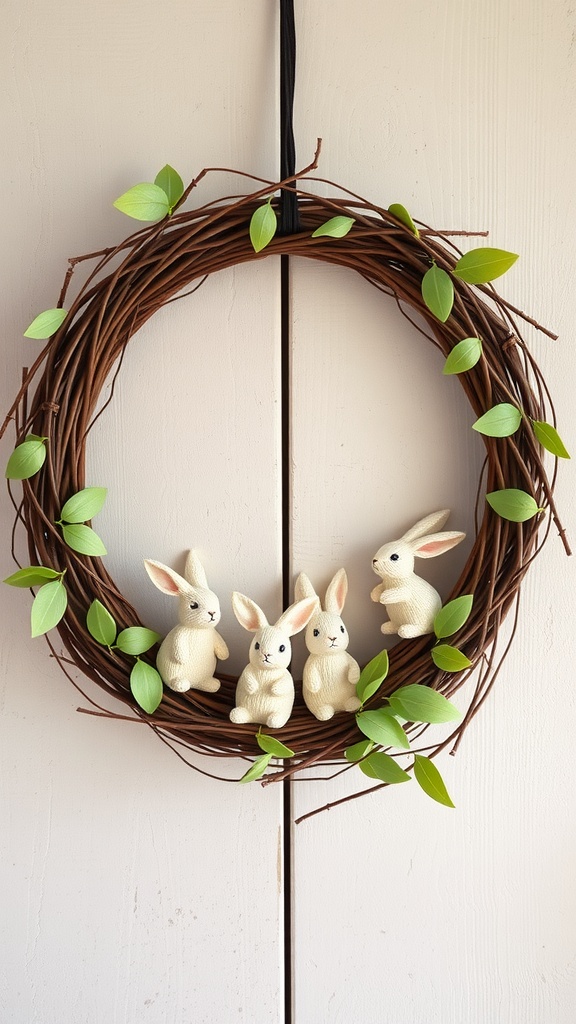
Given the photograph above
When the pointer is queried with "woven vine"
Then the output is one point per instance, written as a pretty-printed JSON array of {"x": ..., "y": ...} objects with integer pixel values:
[{"x": 126, "y": 286}]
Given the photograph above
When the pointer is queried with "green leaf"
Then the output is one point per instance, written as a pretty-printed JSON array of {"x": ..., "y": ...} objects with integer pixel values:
[
  {"x": 336, "y": 227},
  {"x": 479, "y": 266},
  {"x": 48, "y": 607},
  {"x": 83, "y": 539},
  {"x": 381, "y": 766},
  {"x": 550, "y": 439},
  {"x": 372, "y": 676},
  {"x": 146, "y": 686},
  {"x": 273, "y": 746},
  {"x": 449, "y": 659},
  {"x": 258, "y": 768},
  {"x": 136, "y": 640},
  {"x": 46, "y": 324},
  {"x": 26, "y": 460},
  {"x": 100, "y": 624},
  {"x": 513, "y": 504},
  {"x": 401, "y": 214},
  {"x": 32, "y": 576},
  {"x": 438, "y": 292},
  {"x": 463, "y": 356},
  {"x": 429, "y": 779},
  {"x": 419, "y": 703},
  {"x": 453, "y": 615},
  {"x": 263, "y": 226},
  {"x": 84, "y": 505},
  {"x": 171, "y": 184},
  {"x": 144, "y": 202},
  {"x": 358, "y": 750},
  {"x": 383, "y": 728},
  {"x": 500, "y": 421}
]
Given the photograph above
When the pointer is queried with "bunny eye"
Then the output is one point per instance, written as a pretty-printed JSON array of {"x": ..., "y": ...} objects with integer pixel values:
[
  {"x": 394, "y": 558},
  {"x": 316, "y": 632},
  {"x": 342, "y": 630},
  {"x": 256, "y": 646},
  {"x": 194, "y": 604},
  {"x": 282, "y": 648}
]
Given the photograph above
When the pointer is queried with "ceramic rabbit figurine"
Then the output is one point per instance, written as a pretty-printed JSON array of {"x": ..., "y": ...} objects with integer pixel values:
[
  {"x": 330, "y": 673},
  {"x": 411, "y": 603},
  {"x": 187, "y": 656},
  {"x": 265, "y": 690}
]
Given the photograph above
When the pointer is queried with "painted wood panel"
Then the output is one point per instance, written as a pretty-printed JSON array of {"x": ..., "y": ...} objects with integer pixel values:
[
  {"x": 134, "y": 889},
  {"x": 406, "y": 912}
]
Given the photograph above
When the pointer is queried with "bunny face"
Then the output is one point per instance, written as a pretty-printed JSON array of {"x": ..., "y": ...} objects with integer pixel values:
[
  {"x": 198, "y": 608},
  {"x": 326, "y": 634},
  {"x": 270, "y": 648},
  {"x": 394, "y": 561}
]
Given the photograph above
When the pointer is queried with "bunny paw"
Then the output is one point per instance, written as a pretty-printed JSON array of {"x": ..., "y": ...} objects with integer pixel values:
[
  {"x": 409, "y": 631},
  {"x": 276, "y": 720},
  {"x": 240, "y": 716},
  {"x": 352, "y": 704},
  {"x": 209, "y": 685},
  {"x": 388, "y": 627},
  {"x": 179, "y": 685}
]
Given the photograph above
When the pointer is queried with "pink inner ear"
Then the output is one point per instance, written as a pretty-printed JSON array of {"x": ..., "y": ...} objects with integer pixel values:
[
  {"x": 163, "y": 580},
  {"x": 434, "y": 547}
]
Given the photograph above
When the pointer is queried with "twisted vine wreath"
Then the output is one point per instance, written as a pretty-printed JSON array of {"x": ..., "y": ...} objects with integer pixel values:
[{"x": 417, "y": 267}]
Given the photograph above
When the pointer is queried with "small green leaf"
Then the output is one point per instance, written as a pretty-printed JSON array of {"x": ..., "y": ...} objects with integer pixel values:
[
  {"x": 26, "y": 460},
  {"x": 144, "y": 202},
  {"x": 146, "y": 686},
  {"x": 500, "y": 421},
  {"x": 358, "y": 750},
  {"x": 550, "y": 439},
  {"x": 438, "y": 292},
  {"x": 401, "y": 214},
  {"x": 479, "y": 266},
  {"x": 419, "y": 703},
  {"x": 48, "y": 607},
  {"x": 84, "y": 505},
  {"x": 383, "y": 728},
  {"x": 381, "y": 766},
  {"x": 372, "y": 676},
  {"x": 273, "y": 746},
  {"x": 336, "y": 227},
  {"x": 449, "y": 659},
  {"x": 171, "y": 184},
  {"x": 46, "y": 324},
  {"x": 258, "y": 768},
  {"x": 136, "y": 640},
  {"x": 429, "y": 779},
  {"x": 83, "y": 539},
  {"x": 100, "y": 624},
  {"x": 513, "y": 504},
  {"x": 32, "y": 576},
  {"x": 463, "y": 356},
  {"x": 263, "y": 226},
  {"x": 453, "y": 615}
]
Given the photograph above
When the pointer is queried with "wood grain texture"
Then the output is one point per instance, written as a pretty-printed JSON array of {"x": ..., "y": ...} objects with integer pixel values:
[
  {"x": 407, "y": 912},
  {"x": 134, "y": 889}
]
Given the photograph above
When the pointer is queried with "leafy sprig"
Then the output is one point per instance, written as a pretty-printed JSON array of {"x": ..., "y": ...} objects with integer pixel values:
[
  {"x": 145, "y": 680},
  {"x": 272, "y": 748},
  {"x": 75, "y": 512},
  {"x": 151, "y": 201},
  {"x": 51, "y": 601}
]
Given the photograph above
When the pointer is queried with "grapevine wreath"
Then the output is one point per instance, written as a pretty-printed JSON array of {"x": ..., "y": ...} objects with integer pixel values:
[{"x": 425, "y": 274}]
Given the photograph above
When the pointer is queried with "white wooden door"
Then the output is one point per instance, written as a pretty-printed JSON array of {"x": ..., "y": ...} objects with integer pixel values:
[{"x": 134, "y": 889}]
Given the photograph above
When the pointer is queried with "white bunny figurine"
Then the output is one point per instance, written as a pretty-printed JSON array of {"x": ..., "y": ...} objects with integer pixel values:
[
  {"x": 187, "y": 656},
  {"x": 411, "y": 602},
  {"x": 330, "y": 673},
  {"x": 265, "y": 690}
]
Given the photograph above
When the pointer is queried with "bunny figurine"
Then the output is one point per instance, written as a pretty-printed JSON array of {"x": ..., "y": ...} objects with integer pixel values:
[
  {"x": 265, "y": 690},
  {"x": 411, "y": 603},
  {"x": 330, "y": 673},
  {"x": 187, "y": 656}
]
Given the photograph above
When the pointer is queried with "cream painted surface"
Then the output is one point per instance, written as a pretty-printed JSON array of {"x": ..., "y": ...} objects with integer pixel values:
[{"x": 135, "y": 890}]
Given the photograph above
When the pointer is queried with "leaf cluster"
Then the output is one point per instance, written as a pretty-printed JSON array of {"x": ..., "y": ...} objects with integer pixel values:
[
  {"x": 151, "y": 201},
  {"x": 272, "y": 748},
  {"x": 145, "y": 680},
  {"x": 73, "y": 519}
]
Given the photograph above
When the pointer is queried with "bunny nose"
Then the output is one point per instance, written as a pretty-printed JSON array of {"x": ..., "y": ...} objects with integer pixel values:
[
  {"x": 212, "y": 614},
  {"x": 332, "y": 638}
]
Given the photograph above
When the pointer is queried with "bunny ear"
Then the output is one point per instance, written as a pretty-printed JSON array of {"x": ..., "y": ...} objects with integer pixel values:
[
  {"x": 435, "y": 521},
  {"x": 297, "y": 616},
  {"x": 168, "y": 581},
  {"x": 436, "y": 544},
  {"x": 336, "y": 592},
  {"x": 248, "y": 613},
  {"x": 303, "y": 588},
  {"x": 194, "y": 571}
]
